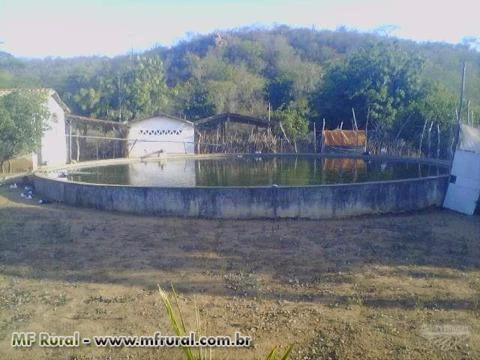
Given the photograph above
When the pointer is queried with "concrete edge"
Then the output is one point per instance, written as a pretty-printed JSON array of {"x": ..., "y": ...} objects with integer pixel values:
[{"x": 260, "y": 202}]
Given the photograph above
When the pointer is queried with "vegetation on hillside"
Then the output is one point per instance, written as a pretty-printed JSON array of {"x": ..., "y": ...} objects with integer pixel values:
[{"x": 302, "y": 75}]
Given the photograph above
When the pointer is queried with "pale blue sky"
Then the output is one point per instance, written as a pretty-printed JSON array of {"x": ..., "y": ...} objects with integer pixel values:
[{"x": 39, "y": 28}]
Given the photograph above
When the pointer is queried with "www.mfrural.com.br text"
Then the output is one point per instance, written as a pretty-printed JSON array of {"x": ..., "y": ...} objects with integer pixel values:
[{"x": 45, "y": 339}]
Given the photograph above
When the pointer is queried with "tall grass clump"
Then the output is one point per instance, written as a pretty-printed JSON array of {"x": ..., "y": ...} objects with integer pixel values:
[{"x": 177, "y": 322}]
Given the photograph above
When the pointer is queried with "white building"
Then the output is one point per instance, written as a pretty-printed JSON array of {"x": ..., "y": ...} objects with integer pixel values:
[
  {"x": 160, "y": 133},
  {"x": 53, "y": 147},
  {"x": 463, "y": 193},
  {"x": 53, "y": 144}
]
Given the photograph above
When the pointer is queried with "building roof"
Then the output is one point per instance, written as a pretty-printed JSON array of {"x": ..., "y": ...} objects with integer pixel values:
[
  {"x": 340, "y": 137},
  {"x": 159, "y": 114},
  {"x": 95, "y": 121},
  {"x": 49, "y": 92},
  {"x": 215, "y": 120}
]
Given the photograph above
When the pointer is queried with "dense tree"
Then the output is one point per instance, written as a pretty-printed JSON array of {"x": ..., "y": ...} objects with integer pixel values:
[
  {"x": 244, "y": 52},
  {"x": 83, "y": 95},
  {"x": 436, "y": 107},
  {"x": 230, "y": 88},
  {"x": 5, "y": 79},
  {"x": 122, "y": 91},
  {"x": 379, "y": 82},
  {"x": 22, "y": 115},
  {"x": 292, "y": 120},
  {"x": 139, "y": 88},
  {"x": 192, "y": 100}
]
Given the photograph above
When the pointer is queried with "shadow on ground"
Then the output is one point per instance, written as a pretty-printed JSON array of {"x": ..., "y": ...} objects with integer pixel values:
[{"x": 266, "y": 259}]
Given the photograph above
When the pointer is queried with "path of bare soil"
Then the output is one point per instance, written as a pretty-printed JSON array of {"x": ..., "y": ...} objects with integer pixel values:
[{"x": 375, "y": 287}]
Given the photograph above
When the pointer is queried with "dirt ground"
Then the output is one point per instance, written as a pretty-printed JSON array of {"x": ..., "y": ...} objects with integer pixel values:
[{"x": 375, "y": 287}]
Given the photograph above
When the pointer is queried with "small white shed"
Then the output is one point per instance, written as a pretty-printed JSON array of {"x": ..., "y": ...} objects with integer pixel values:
[{"x": 160, "y": 133}]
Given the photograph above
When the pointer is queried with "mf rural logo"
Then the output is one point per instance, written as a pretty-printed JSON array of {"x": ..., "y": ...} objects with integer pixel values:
[{"x": 446, "y": 337}]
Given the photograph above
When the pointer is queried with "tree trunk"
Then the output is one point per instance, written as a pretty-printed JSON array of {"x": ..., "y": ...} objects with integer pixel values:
[
  {"x": 283, "y": 132},
  {"x": 421, "y": 138},
  {"x": 323, "y": 136},
  {"x": 438, "y": 141},
  {"x": 430, "y": 139},
  {"x": 452, "y": 134},
  {"x": 366, "y": 129},
  {"x": 77, "y": 142}
]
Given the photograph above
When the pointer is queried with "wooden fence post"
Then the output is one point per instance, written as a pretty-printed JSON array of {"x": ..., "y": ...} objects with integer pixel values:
[
  {"x": 421, "y": 138},
  {"x": 438, "y": 141},
  {"x": 323, "y": 136}
]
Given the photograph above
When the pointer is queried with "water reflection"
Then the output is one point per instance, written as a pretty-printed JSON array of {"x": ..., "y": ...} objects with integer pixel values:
[
  {"x": 169, "y": 173},
  {"x": 254, "y": 171}
]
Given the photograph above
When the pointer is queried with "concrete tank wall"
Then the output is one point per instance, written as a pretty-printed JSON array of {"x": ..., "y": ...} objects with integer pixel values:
[{"x": 311, "y": 202}]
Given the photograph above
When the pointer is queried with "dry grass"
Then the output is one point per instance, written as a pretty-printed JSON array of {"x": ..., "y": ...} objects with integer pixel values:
[{"x": 361, "y": 288}]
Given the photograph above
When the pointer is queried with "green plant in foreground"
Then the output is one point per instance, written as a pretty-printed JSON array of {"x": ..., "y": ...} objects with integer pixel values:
[
  {"x": 273, "y": 353},
  {"x": 176, "y": 320}
]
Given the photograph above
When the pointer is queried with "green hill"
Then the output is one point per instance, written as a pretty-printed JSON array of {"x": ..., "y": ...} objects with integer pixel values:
[{"x": 311, "y": 73}]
